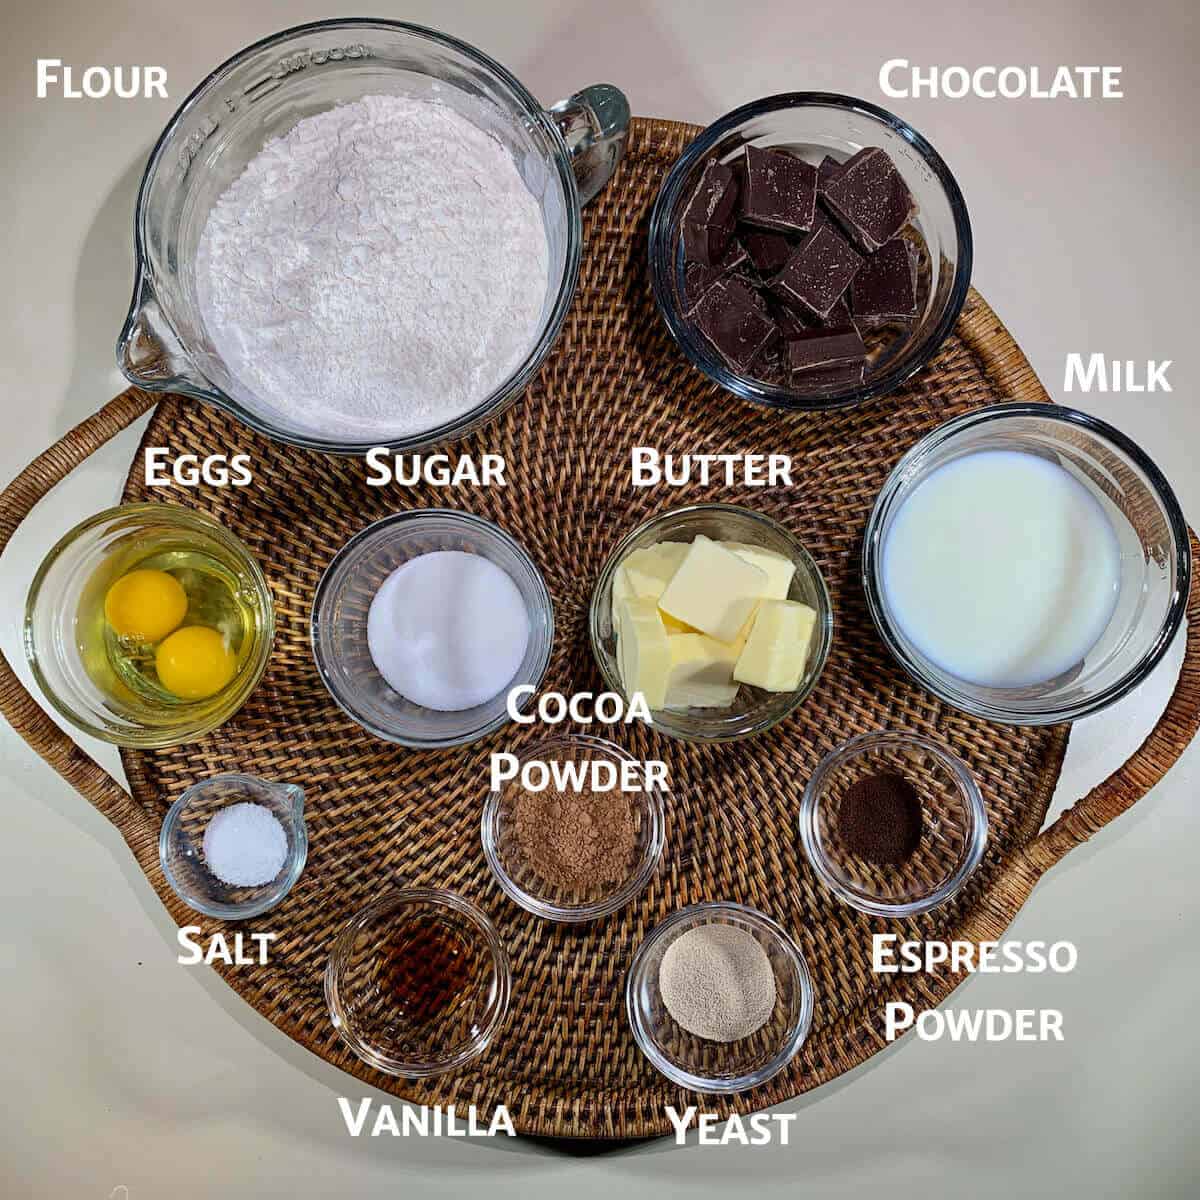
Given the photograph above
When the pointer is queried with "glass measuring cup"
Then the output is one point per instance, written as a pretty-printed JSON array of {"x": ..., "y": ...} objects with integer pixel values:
[{"x": 565, "y": 155}]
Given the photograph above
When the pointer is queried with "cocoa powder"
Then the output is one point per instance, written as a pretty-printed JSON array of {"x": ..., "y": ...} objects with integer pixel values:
[{"x": 575, "y": 840}]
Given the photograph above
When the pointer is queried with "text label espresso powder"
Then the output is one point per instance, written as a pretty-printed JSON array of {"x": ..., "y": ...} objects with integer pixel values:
[{"x": 378, "y": 270}]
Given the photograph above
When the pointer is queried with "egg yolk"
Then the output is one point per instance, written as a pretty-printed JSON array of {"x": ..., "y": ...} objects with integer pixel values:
[
  {"x": 194, "y": 663},
  {"x": 145, "y": 604}
]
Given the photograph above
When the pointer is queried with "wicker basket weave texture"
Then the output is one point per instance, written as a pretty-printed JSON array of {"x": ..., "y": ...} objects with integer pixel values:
[{"x": 565, "y": 1063}]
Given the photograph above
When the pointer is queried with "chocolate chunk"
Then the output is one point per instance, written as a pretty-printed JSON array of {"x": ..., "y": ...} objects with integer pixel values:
[
  {"x": 838, "y": 317},
  {"x": 735, "y": 321},
  {"x": 768, "y": 251},
  {"x": 839, "y": 376},
  {"x": 825, "y": 350},
  {"x": 708, "y": 218},
  {"x": 735, "y": 256},
  {"x": 829, "y": 169},
  {"x": 818, "y": 272},
  {"x": 869, "y": 198},
  {"x": 714, "y": 197},
  {"x": 780, "y": 191},
  {"x": 697, "y": 279},
  {"x": 706, "y": 243},
  {"x": 885, "y": 289},
  {"x": 791, "y": 324}
]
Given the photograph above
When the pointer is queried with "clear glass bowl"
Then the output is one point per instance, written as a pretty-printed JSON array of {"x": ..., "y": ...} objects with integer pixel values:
[
  {"x": 339, "y": 624},
  {"x": 261, "y": 93},
  {"x": 181, "y": 845},
  {"x": 815, "y": 124},
  {"x": 754, "y": 710},
  {"x": 954, "y": 825},
  {"x": 720, "y": 1067},
  {"x": 518, "y": 876},
  {"x": 74, "y": 577},
  {"x": 1153, "y": 538},
  {"x": 418, "y": 983}
]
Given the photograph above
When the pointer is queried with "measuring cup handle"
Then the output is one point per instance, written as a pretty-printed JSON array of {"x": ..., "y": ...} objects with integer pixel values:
[{"x": 594, "y": 124}]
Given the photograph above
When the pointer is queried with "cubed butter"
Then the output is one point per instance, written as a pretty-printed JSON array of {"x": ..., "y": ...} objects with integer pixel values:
[
  {"x": 675, "y": 627},
  {"x": 643, "y": 650},
  {"x": 620, "y": 591},
  {"x": 713, "y": 590},
  {"x": 778, "y": 568},
  {"x": 701, "y": 672},
  {"x": 649, "y": 570},
  {"x": 776, "y": 652}
]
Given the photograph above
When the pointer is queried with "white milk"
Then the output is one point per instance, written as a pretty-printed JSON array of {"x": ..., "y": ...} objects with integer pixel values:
[{"x": 1002, "y": 569}]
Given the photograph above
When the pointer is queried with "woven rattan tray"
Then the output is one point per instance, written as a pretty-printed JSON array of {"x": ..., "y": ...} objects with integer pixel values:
[{"x": 565, "y": 1063}]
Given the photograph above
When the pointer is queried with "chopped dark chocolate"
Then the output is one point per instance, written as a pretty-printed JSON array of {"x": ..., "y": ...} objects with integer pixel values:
[
  {"x": 818, "y": 273},
  {"x": 839, "y": 376},
  {"x": 708, "y": 216},
  {"x": 824, "y": 350},
  {"x": 869, "y": 198},
  {"x": 735, "y": 321},
  {"x": 706, "y": 243},
  {"x": 697, "y": 279},
  {"x": 829, "y": 169},
  {"x": 780, "y": 191},
  {"x": 838, "y": 317},
  {"x": 768, "y": 251},
  {"x": 735, "y": 255},
  {"x": 885, "y": 289},
  {"x": 714, "y": 197}
]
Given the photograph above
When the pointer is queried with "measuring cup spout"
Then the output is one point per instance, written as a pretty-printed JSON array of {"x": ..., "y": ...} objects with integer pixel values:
[
  {"x": 148, "y": 351},
  {"x": 594, "y": 124}
]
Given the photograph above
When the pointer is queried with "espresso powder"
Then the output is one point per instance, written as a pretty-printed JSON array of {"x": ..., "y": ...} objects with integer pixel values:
[
  {"x": 880, "y": 818},
  {"x": 575, "y": 840}
]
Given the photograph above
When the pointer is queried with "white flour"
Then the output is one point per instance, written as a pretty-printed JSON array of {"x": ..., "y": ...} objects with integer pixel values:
[{"x": 378, "y": 270}]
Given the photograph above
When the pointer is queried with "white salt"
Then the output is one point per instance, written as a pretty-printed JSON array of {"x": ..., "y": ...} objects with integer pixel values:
[{"x": 245, "y": 845}]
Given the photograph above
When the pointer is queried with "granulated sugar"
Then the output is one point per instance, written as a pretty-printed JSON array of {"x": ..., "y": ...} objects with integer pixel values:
[
  {"x": 378, "y": 270},
  {"x": 717, "y": 982}
]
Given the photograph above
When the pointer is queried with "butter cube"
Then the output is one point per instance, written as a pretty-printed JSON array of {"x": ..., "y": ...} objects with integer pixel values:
[
  {"x": 701, "y": 672},
  {"x": 675, "y": 627},
  {"x": 778, "y": 568},
  {"x": 649, "y": 570},
  {"x": 713, "y": 590},
  {"x": 776, "y": 652},
  {"x": 620, "y": 591},
  {"x": 643, "y": 652}
]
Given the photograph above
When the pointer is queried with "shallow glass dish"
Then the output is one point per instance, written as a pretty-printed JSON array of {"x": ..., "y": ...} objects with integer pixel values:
[
  {"x": 339, "y": 624},
  {"x": 518, "y": 876},
  {"x": 181, "y": 845},
  {"x": 815, "y": 124},
  {"x": 73, "y": 579},
  {"x": 418, "y": 983},
  {"x": 564, "y": 155},
  {"x": 954, "y": 825},
  {"x": 721, "y": 1067},
  {"x": 1145, "y": 516},
  {"x": 754, "y": 710}
]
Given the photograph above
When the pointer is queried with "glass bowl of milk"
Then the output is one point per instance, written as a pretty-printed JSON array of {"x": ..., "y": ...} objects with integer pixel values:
[{"x": 1027, "y": 563}]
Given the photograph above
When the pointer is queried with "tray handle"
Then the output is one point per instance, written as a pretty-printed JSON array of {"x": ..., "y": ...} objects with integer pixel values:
[
  {"x": 1156, "y": 755},
  {"x": 24, "y": 713}
]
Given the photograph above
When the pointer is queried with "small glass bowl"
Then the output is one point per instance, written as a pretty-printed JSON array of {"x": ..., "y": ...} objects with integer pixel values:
[
  {"x": 754, "y": 710},
  {"x": 339, "y": 624},
  {"x": 953, "y": 837},
  {"x": 181, "y": 845},
  {"x": 815, "y": 124},
  {"x": 720, "y": 1067},
  {"x": 72, "y": 582},
  {"x": 389, "y": 1007},
  {"x": 520, "y": 879},
  {"x": 1145, "y": 516}
]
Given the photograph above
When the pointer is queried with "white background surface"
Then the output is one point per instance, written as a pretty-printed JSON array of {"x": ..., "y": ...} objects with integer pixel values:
[{"x": 123, "y": 1068}]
